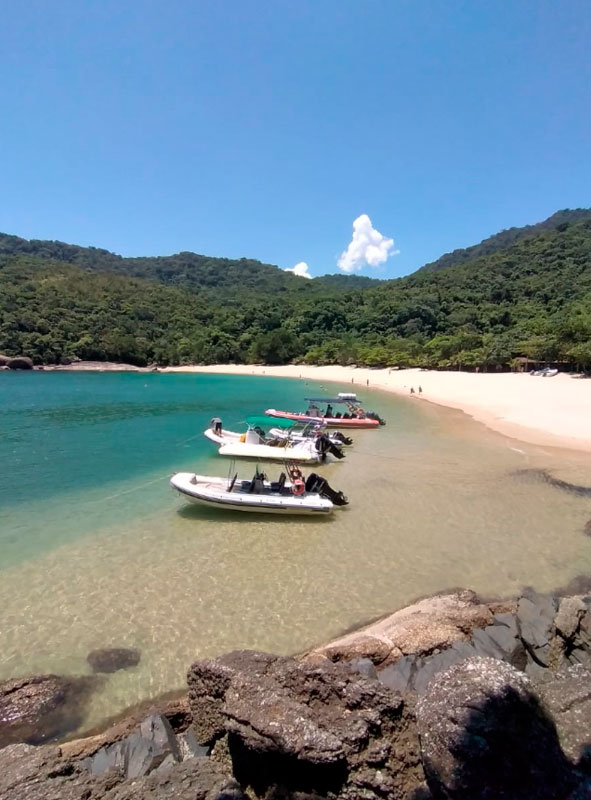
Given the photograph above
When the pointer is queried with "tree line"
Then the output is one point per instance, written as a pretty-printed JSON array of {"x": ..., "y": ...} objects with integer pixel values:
[{"x": 519, "y": 296}]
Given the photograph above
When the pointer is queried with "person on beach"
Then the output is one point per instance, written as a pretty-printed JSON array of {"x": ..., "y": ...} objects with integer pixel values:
[
  {"x": 420, "y": 390},
  {"x": 367, "y": 382},
  {"x": 412, "y": 389}
]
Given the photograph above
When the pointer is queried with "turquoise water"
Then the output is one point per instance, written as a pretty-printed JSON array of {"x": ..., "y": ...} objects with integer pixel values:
[
  {"x": 79, "y": 451},
  {"x": 97, "y": 551}
]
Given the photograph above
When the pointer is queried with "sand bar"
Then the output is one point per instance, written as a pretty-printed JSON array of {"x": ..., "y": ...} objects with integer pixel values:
[{"x": 545, "y": 411}]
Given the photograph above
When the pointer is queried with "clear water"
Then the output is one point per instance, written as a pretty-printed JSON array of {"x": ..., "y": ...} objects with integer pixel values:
[{"x": 96, "y": 551}]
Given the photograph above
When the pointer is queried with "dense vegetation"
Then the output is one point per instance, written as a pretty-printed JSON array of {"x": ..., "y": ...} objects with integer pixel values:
[{"x": 524, "y": 292}]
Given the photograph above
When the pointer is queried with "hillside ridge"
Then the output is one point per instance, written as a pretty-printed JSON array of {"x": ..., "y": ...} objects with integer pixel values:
[{"x": 530, "y": 299}]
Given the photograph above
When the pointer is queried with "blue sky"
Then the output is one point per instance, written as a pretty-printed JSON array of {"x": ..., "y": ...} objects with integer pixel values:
[{"x": 264, "y": 128}]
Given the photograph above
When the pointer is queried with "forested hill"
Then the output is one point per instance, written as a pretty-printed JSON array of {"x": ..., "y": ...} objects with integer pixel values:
[
  {"x": 531, "y": 298},
  {"x": 186, "y": 270},
  {"x": 502, "y": 240}
]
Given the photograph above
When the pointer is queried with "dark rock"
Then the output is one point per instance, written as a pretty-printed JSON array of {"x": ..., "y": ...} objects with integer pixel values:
[
  {"x": 231, "y": 791},
  {"x": 400, "y": 677},
  {"x": 142, "y": 756},
  {"x": 486, "y": 645},
  {"x": 108, "y": 758},
  {"x": 364, "y": 667},
  {"x": 173, "y": 707},
  {"x": 41, "y": 708},
  {"x": 535, "y": 618},
  {"x": 39, "y": 773},
  {"x": 190, "y": 747},
  {"x": 20, "y": 362},
  {"x": 429, "y": 667},
  {"x": 567, "y": 696},
  {"x": 157, "y": 730},
  {"x": 413, "y": 673},
  {"x": 112, "y": 659},
  {"x": 4, "y": 360},
  {"x": 484, "y": 734},
  {"x": 152, "y": 747},
  {"x": 504, "y": 641}
]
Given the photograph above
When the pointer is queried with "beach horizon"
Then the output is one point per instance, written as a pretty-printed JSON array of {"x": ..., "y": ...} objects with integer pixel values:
[
  {"x": 552, "y": 412},
  {"x": 542, "y": 411}
]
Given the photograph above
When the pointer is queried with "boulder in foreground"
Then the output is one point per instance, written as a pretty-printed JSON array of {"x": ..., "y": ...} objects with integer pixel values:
[{"x": 485, "y": 734}]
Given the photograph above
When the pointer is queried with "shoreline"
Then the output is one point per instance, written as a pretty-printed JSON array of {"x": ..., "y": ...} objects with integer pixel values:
[{"x": 553, "y": 412}]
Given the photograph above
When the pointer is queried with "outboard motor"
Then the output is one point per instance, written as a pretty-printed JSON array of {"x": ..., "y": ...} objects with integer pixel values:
[
  {"x": 373, "y": 415},
  {"x": 324, "y": 446},
  {"x": 342, "y": 438},
  {"x": 315, "y": 483}
]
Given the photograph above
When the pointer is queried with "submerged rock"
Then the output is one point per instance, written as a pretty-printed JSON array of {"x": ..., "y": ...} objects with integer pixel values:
[
  {"x": 112, "y": 659},
  {"x": 40, "y": 708}
]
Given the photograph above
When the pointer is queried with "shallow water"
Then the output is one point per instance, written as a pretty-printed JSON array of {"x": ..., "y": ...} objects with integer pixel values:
[{"x": 96, "y": 551}]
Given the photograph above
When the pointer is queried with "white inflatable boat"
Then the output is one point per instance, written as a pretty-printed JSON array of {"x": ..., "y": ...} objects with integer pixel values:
[
  {"x": 254, "y": 444},
  {"x": 314, "y": 496}
]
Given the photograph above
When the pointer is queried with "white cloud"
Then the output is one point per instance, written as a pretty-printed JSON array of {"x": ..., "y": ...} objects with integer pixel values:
[
  {"x": 367, "y": 246},
  {"x": 301, "y": 270}
]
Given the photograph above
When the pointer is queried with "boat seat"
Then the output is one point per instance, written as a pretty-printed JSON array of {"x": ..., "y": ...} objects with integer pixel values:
[
  {"x": 257, "y": 485},
  {"x": 279, "y": 486}
]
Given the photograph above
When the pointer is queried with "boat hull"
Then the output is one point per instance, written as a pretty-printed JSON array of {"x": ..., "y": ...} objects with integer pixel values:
[
  {"x": 212, "y": 492},
  {"x": 230, "y": 445},
  {"x": 331, "y": 422}
]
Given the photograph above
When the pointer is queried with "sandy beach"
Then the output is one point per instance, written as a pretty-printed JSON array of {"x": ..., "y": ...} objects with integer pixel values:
[{"x": 544, "y": 411}]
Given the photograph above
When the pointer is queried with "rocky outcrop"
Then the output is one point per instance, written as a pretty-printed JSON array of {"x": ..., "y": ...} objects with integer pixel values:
[
  {"x": 20, "y": 362},
  {"x": 153, "y": 746},
  {"x": 113, "y": 659},
  {"x": 499, "y": 693},
  {"x": 484, "y": 734},
  {"x": 536, "y": 634},
  {"x": 41, "y": 708},
  {"x": 291, "y": 727},
  {"x": 42, "y": 773},
  {"x": 425, "y": 627}
]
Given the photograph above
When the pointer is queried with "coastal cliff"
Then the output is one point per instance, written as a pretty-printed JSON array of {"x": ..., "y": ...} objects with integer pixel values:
[{"x": 452, "y": 697}]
